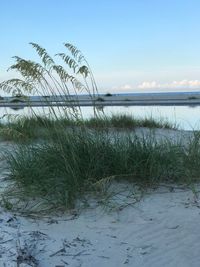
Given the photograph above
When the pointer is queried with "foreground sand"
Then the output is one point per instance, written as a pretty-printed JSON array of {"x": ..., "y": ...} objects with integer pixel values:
[{"x": 159, "y": 229}]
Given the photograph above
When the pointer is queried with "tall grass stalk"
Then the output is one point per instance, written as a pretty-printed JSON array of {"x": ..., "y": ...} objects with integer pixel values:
[{"x": 63, "y": 75}]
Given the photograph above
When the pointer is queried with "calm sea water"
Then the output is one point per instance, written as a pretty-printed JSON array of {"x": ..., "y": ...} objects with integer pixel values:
[{"x": 185, "y": 117}]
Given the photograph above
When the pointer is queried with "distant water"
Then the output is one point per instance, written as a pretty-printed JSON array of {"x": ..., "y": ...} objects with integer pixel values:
[{"x": 186, "y": 117}]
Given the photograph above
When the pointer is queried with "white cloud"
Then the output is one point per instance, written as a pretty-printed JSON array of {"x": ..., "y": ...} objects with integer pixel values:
[
  {"x": 184, "y": 84},
  {"x": 126, "y": 87},
  {"x": 148, "y": 85}
]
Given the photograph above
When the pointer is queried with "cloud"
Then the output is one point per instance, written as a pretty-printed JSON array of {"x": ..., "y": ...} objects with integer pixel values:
[
  {"x": 157, "y": 86},
  {"x": 126, "y": 87},
  {"x": 148, "y": 85},
  {"x": 184, "y": 84}
]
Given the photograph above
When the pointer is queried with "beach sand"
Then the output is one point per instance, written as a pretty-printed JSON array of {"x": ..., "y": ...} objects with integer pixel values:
[{"x": 161, "y": 228}]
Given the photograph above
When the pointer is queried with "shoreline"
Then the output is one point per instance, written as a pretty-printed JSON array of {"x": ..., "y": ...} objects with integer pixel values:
[{"x": 143, "y": 99}]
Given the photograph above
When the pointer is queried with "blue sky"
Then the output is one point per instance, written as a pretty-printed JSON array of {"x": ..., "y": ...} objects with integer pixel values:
[{"x": 130, "y": 44}]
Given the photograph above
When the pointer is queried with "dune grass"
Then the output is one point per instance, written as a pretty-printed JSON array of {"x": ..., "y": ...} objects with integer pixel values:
[
  {"x": 60, "y": 171},
  {"x": 69, "y": 159},
  {"x": 123, "y": 121},
  {"x": 37, "y": 127}
]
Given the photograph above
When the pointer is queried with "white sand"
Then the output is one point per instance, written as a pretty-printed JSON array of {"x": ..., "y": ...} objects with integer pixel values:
[{"x": 162, "y": 229}]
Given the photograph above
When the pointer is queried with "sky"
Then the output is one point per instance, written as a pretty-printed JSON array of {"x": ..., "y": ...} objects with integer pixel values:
[{"x": 131, "y": 45}]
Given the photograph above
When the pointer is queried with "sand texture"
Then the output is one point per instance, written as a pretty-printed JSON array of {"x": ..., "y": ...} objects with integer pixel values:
[{"x": 159, "y": 229}]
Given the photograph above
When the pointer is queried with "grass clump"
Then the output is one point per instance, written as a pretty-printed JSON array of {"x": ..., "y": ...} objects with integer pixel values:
[
  {"x": 24, "y": 129},
  {"x": 150, "y": 122},
  {"x": 37, "y": 127},
  {"x": 59, "y": 172},
  {"x": 114, "y": 121}
]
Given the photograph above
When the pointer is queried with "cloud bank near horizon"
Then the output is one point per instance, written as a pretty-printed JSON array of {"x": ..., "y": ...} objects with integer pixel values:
[
  {"x": 157, "y": 86},
  {"x": 184, "y": 84}
]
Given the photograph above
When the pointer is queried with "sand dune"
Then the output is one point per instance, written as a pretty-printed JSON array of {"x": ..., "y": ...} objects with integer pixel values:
[{"x": 159, "y": 229}]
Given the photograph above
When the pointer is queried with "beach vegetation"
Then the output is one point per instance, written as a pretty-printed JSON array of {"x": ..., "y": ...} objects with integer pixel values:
[
  {"x": 59, "y": 171},
  {"x": 26, "y": 129},
  {"x": 108, "y": 94},
  {"x": 192, "y": 98},
  {"x": 67, "y": 156},
  {"x": 100, "y": 99}
]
